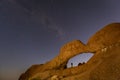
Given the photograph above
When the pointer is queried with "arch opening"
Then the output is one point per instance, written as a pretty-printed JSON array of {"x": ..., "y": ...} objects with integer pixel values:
[{"x": 79, "y": 59}]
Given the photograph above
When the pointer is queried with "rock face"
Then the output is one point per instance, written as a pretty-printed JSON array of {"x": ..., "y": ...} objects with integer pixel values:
[
  {"x": 108, "y": 35},
  {"x": 109, "y": 65},
  {"x": 104, "y": 65}
]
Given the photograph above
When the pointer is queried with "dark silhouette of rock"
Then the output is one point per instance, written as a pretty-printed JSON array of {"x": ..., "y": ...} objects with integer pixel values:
[
  {"x": 81, "y": 63},
  {"x": 104, "y": 65}
]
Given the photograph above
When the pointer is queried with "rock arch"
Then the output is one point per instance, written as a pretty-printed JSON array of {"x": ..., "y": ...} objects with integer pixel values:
[{"x": 107, "y": 36}]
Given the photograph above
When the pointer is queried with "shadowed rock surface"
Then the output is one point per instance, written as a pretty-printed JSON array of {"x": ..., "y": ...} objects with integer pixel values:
[{"x": 104, "y": 65}]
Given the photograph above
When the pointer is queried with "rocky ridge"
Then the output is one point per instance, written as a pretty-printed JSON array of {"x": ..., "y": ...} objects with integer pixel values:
[{"x": 104, "y": 65}]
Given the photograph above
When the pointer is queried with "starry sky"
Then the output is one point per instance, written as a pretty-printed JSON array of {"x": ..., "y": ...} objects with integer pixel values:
[{"x": 32, "y": 31}]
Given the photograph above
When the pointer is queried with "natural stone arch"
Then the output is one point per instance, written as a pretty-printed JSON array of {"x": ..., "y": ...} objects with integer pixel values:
[
  {"x": 109, "y": 35},
  {"x": 67, "y": 51}
]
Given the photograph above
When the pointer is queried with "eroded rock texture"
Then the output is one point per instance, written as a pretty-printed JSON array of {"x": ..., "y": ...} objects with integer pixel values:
[
  {"x": 108, "y": 35},
  {"x": 104, "y": 65}
]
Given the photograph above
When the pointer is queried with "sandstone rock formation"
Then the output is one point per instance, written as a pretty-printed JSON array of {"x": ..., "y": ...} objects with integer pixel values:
[{"x": 104, "y": 65}]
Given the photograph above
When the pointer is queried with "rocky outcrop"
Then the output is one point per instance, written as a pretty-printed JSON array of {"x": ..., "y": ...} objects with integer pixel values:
[
  {"x": 108, "y": 35},
  {"x": 104, "y": 65},
  {"x": 103, "y": 44}
]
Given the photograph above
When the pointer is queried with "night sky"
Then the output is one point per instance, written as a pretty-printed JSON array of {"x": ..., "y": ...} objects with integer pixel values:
[{"x": 32, "y": 31}]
